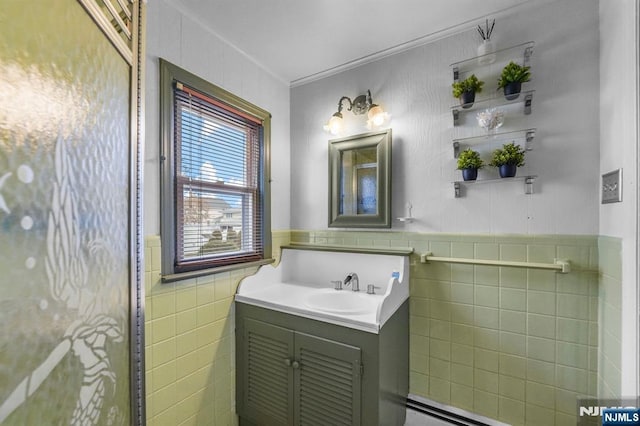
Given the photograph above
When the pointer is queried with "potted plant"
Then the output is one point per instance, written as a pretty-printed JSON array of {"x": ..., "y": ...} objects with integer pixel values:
[
  {"x": 511, "y": 79},
  {"x": 466, "y": 90},
  {"x": 469, "y": 162},
  {"x": 508, "y": 159}
]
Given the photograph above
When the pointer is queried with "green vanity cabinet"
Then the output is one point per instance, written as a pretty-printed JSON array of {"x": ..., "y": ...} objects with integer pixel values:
[
  {"x": 292, "y": 370},
  {"x": 267, "y": 379},
  {"x": 296, "y": 378}
]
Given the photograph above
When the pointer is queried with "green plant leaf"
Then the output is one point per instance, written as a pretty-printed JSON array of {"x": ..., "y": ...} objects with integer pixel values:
[
  {"x": 514, "y": 73},
  {"x": 469, "y": 159},
  {"x": 469, "y": 84},
  {"x": 509, "y": 154}
]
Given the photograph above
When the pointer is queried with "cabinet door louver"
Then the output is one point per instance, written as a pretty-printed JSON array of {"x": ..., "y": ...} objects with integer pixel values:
[
  {"x": 328, "y": 382},
  {"x": 268, "y": 381}
]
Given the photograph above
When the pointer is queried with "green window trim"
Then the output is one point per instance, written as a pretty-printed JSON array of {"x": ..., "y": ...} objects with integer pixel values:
[{"x": 175, "y": 264}]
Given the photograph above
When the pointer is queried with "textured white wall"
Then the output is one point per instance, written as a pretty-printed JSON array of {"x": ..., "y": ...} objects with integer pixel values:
[
  {"x": 415, "y": 87},
  {"x": 180, "y": 39},
  {"x": 619, "y": 68}
]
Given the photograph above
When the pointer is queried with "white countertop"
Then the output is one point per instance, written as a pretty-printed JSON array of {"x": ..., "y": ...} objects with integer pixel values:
[{"x": 304, "y": 276}]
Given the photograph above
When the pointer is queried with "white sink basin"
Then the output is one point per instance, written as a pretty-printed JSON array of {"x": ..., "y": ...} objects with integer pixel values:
[
  {"x": 302, "y": 285},
  {"x": 345, "y": 302}
]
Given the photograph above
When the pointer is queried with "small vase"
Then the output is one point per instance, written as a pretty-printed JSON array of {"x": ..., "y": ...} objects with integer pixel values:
[
  {"x": 485, "y": 52},
  {"x": 469, "y": 174},
  {"x": 508, "y": 170},
  {"x": 467, "y": 99},
  {"x": 512, "y": 90}
]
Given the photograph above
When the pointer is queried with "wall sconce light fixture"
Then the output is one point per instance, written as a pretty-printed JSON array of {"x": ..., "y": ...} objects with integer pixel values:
[{"x": 376, "y": 116}]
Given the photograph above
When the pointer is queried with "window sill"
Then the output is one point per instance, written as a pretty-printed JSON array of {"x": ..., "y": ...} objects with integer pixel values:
[{"x": 169, "y": 278}]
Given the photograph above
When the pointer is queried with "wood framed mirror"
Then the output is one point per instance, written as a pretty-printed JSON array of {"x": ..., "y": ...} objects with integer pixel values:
[{"x": 360, "y": 181}]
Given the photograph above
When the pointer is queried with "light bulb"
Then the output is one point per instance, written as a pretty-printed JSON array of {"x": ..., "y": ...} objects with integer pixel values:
[
  {"x": 376, "y": 116},
  {"x": 378, "y": 119},
  {"x": 334, "y": 125}
]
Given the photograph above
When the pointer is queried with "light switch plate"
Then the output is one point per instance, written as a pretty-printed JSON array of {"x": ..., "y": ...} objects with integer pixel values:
[{"x": 612, "y": 187}]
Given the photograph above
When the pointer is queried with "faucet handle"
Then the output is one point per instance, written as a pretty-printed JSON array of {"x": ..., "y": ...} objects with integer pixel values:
[
  {"x": 337, "y": 284},
  {"x": 371, "y": 289}
]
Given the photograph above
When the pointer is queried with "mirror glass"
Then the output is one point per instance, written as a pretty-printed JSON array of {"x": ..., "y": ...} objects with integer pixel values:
[{"x": 360, "y": 181}]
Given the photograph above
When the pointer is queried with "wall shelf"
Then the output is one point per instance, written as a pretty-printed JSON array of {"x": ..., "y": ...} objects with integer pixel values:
[
  {"x": 521, "y": 137},
  {"x": 394, "y": 251},
  {"x": 488, "y": 68},
  {"x": 520, "y": 54},
  {"x": 528, "y": 183},
  {"x": 497, "y": 100}
]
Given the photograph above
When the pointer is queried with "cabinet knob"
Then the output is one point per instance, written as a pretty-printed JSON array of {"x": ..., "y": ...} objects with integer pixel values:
[{"x": 290, "y": 363}]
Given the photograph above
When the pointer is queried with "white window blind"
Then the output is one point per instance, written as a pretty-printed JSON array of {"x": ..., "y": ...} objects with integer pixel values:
[{"x": 218, "y": 177}]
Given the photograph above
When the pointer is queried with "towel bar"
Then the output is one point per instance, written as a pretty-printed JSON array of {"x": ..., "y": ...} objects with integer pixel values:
[{"x": 562, "y": 266}]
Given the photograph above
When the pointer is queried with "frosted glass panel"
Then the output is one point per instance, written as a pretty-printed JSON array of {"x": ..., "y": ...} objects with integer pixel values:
[{"x": 64, "y": 219}]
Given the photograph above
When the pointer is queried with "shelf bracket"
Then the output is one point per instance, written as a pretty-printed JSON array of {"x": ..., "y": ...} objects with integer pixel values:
[
  {"x": 529, "y": 138},
  {"x": 456, "y": 149},
  {"x": 527, "y": 55},
  {"x": 456, "y": 117},
  {"x": 528, "y": 185},
  {"x": 456, "y": 189},
  {"x": 527, "y": 104},
  {"x": 456, "y": 74}
]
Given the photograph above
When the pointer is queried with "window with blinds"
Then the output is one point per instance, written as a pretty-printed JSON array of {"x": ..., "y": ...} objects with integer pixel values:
[{"x": 217, "y": 180}]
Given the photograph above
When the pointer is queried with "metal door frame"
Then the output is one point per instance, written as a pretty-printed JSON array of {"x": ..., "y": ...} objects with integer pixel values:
[{"x": 129, "y": 41}]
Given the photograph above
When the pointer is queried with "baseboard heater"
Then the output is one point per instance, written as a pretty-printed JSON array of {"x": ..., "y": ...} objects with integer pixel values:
[{"x": 442, "y": 414}]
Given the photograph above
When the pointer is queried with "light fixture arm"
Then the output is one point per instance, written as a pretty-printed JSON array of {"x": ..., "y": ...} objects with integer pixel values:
[
  {"x": 369, "y": 100},
  {"x": 361, "y": 104},
  {"x": 358, "y": 106},
  {"x": 342, "y": 99}
]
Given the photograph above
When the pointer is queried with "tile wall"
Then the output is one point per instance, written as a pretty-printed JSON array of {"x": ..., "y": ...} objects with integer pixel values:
[
  {"x": 189, "y": 344},
  {"x": 610, "y": 305},
  {"x": 516, "y": 345},
  {"x": 511, "y": 344}
]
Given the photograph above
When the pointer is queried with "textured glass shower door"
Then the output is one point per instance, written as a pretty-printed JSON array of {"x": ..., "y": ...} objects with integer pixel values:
[{"x": 65, "y": 218}]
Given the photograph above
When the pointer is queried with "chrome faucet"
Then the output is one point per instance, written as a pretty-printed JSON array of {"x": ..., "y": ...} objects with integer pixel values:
[{"x": 352, "y": 278}]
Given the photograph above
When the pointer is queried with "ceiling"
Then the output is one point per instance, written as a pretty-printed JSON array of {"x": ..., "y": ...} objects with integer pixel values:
[{"x": 298, "y": 39}]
